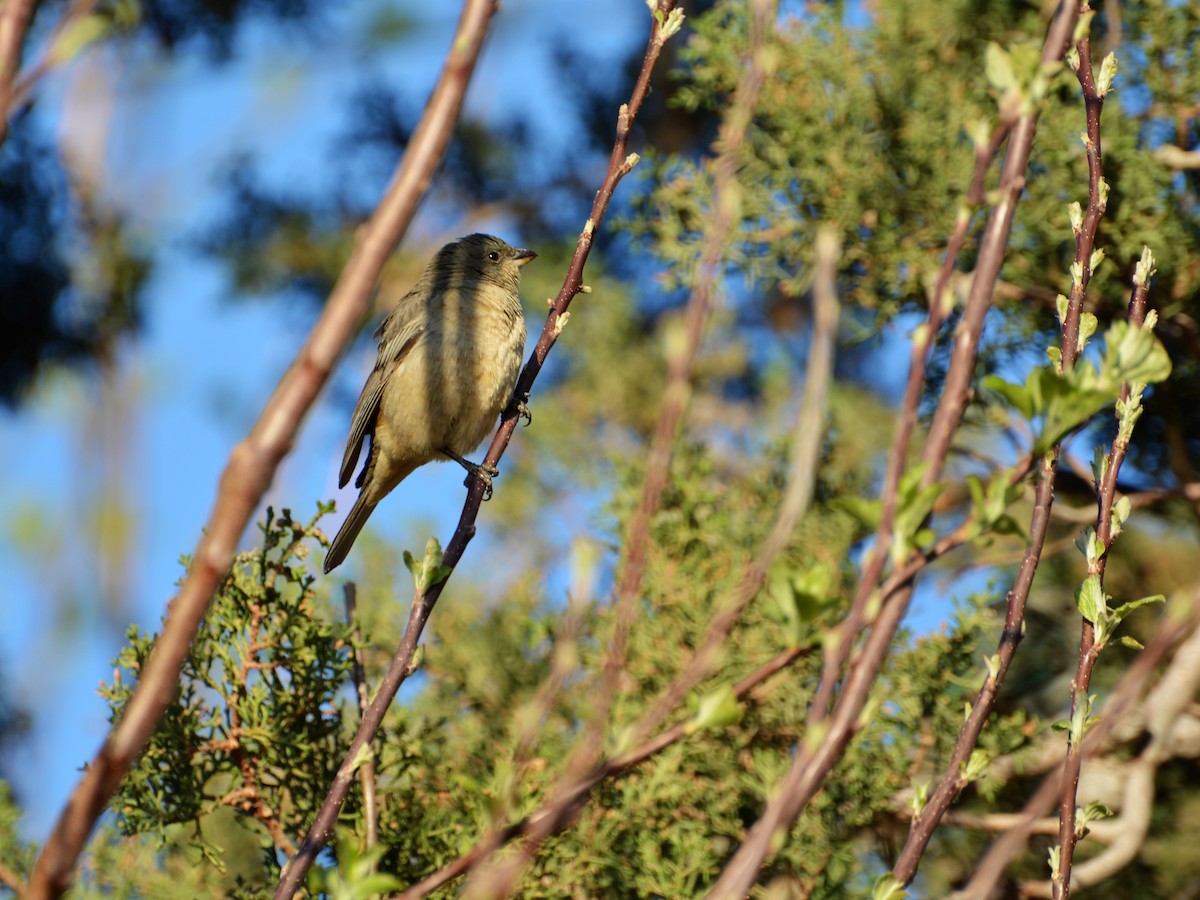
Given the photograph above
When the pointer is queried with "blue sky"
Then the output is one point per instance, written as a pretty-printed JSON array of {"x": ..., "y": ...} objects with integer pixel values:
[
  {"x": 194, "y": 382},
  {"x": 203, "y": 367}
]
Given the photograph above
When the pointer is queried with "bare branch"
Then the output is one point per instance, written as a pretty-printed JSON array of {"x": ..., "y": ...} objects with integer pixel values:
[
  {"x": 579, "y": 791},
  {"x": 811, "y": 763},
  {"x": 402, "y": 663},
  {"x": 1093, "y": 100},
  {"x": 253, "y": 462},
  {"x": 1123, "y": 699},
  {"x": 677, "y": 392},
  {"x": 14, "y": 21},
  {"x": 363, "y": 693}
]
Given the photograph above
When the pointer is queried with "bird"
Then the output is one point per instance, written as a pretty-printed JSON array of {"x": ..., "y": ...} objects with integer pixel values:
[{"x": 448, "y": 359}]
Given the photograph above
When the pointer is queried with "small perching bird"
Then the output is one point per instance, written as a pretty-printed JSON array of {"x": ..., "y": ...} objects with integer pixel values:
[{"x": 449, "y": 355}]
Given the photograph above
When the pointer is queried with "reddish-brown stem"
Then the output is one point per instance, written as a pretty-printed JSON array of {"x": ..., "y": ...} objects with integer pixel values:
[
  {"x": 363, "y": 692},
  {"x": 1088, "y": 651},
  {"x": 677, "y": 392},
  {"x": 253, "y": 463},
  {"x": 1127, "y": 692},
  {"x": 14, "y": 22},
  {"x": 812, "y": 764},
  {"x": 401, "y": 666},
  {"x": 551, "y": 820},
  {"x": 855, "y": 619},
  {"x": 676, "y": 395},
  {"x": 953, "y": 781}
]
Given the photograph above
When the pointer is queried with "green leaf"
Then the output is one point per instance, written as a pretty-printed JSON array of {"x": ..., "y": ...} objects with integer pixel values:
[
  {"x": 887, "y": 887},
  {"x": 868, "y": 512},
  {"x": 1133, "y": 354},
  {"x": 1125, "y": 609},
  {"x": 78, "y": 36},
  {"x": 716, "y": 709},
  {"x": 1090, "y": 600},
  {"x": 998, "y": 68},
  {"x": 429, "y": 571},
  {"x": 1015, "y": 395}
]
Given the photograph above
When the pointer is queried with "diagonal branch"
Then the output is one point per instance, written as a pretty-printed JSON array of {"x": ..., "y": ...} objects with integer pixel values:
[
  {"x": 665, "y": 24},
  {"x": 578, "y": 792},
  {"x": 1089, "y": 650},
  {"x": 253, "y": 462},
  {"x": 812, "y": 762},
  {"x": 14, "y": 21},
  {"x": 1128, "y": 692}
]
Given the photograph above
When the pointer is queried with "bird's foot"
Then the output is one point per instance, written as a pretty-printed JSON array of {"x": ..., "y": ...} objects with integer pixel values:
[
  {"x": 522, "y": 409},
  {"x": 524, "y": 413},
  {"x": 484, "y": 473}
]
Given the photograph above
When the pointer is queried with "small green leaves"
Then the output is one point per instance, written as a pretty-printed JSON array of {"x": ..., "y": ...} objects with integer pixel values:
[
  {"x": 669, "y": 23},
  {"x": 1134, "y": 354},
  {"x": 887, "y": 887},
  {"x": 716, "y": 709},
  {"x": 429, "y": 571},
  {"x": 357, "y": 873},
  {"x": 1081, "y": 720},
  {"x": 1129, "y": 410},
  {"x": 990, "y": 505},
  {"x": 1091, "y": 600},
  {"x": 1019, "y": 75},
  {"x": 1083, "y": 25},
  {"x": 1093, "y": 812},
  {"x": 913, "y": 505},
  {"x": 1145, "y": 269},
  {"x": 997, "y": 66},
  {"x": 800, "y": 596},
  {"x": 1075, "y": 213},
  {"x": 1066, "y": 400},
  {"x": 1054, "y": 856},
  {"x": 919, "y": 798},
  {"x": 976, "y": 767},
  {"x": 1108, "y": 71},
  {"x": 1087, "y": 327}
]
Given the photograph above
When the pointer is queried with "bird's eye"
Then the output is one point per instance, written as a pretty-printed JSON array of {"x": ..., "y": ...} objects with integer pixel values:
[{"x": 494, "y": 256}]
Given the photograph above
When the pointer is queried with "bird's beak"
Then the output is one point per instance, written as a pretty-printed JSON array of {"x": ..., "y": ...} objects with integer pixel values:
[{"x": 523, "y": 256}]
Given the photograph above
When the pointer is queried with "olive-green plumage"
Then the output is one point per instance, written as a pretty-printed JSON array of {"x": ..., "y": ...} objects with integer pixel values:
[{"x": 449, "y": 355}]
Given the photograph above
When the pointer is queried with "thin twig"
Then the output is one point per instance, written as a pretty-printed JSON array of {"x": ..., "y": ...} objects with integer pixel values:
[
  {"x": 676, "y": 396},
  {"x": 553, "y": 816},
  {"x": 14, "y": 22},
  {"x": 580, "y": 789},
  {"x": 1127, "y": 693},
  {"x": 363, "y": 693},
  {"x": 11, "y": 880},
  {"x": 423, "y": 603},
  {"x": 1088, "y": 650},
  {"x": 253, "y": 463},
  {"x": 812, "y": 763},
  {"x": 23, "y": 88},
  {"x": 840, "y": 648},
  {"x": 955, "y": 779}
]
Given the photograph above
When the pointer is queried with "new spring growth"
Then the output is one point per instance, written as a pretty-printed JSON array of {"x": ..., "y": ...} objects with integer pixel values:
[
  {"x": 1075, "y": 211},
  {"x": 630, "y": 161},
  {"x": 1144, "y": 270},
  {"x": 1094, "y": 262},
  {"x": 1103, "y": 194},
  {"x": 560, "y": 323},
  {"x": 1108, "y": 71}
]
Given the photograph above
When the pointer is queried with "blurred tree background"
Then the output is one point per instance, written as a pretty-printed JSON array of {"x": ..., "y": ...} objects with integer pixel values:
[{"x": 123, "y": 223}]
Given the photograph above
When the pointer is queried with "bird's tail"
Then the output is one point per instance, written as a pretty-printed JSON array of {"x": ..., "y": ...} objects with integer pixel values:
[{"x": 359, "y": 513}]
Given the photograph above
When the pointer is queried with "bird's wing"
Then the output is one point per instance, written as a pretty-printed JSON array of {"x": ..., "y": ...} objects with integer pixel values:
[{"x": 396, "y": 337}]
